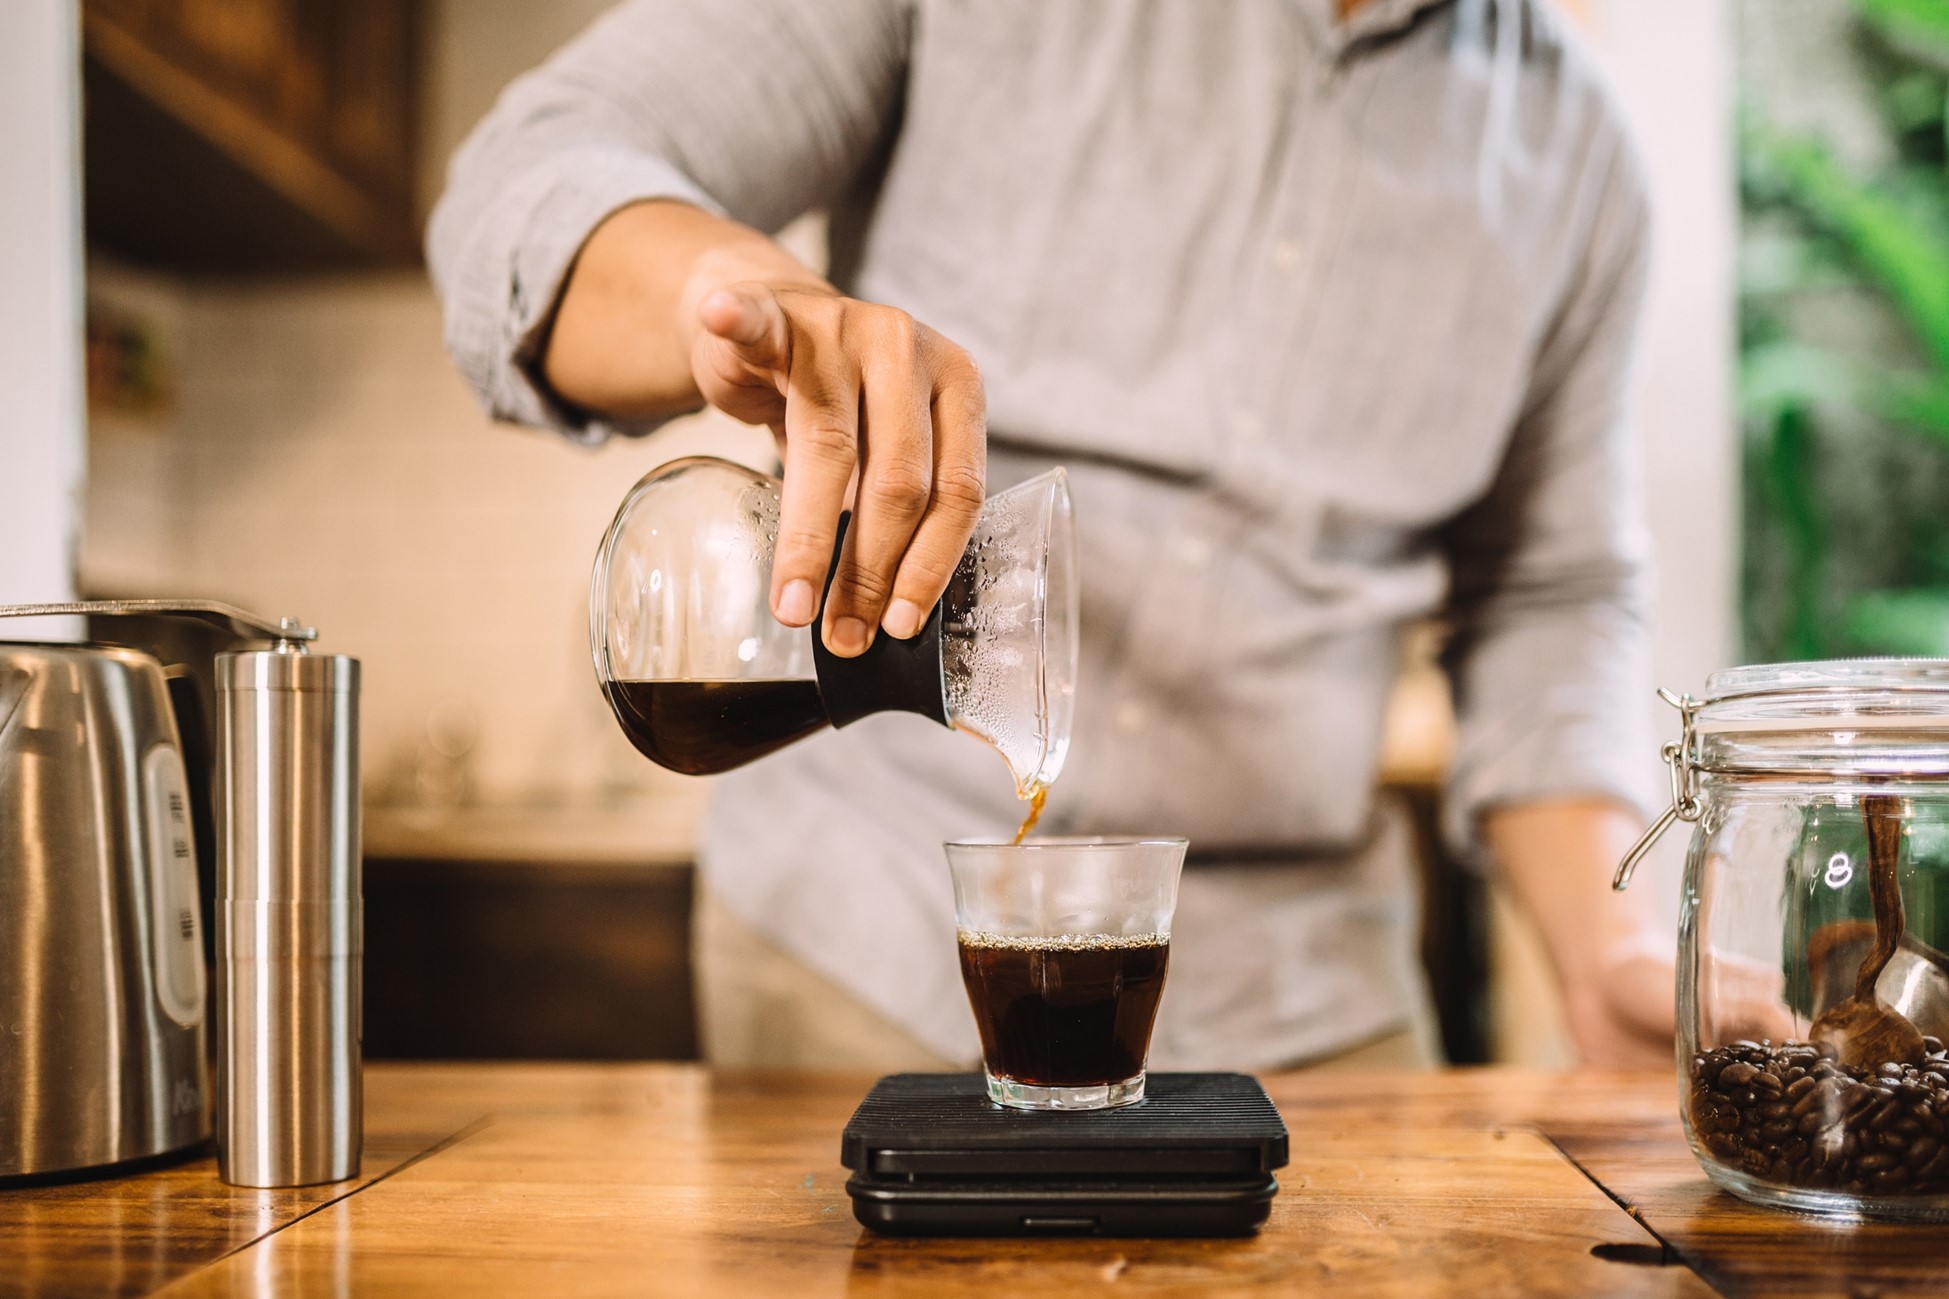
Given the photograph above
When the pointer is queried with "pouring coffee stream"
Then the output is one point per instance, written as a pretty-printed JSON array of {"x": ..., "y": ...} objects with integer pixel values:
[
  {"x": 1036, "y": 799},
  {"x": 1866, "y": 1030}
]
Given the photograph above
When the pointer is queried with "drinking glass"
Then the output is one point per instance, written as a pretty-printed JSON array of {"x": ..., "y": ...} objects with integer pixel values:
[{"x": 1064, "y": 944}]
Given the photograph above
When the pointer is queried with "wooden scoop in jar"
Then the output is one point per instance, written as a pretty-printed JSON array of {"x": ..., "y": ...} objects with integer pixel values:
[{"x": 1867, "y": 1031}]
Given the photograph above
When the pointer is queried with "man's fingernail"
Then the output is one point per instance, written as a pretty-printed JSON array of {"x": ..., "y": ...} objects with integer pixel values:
[
  {"x": 848, "y": 636},
  {"x": 796, "y": 603},
  {"x": 903, "y": 619}
]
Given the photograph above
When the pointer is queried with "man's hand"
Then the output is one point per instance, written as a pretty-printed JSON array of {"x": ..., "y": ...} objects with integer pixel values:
[
  {"x": 1614, "y": 960},
  {"x": 852, "y": 388},
  {"x": 1619, "y": 1012},
  {"x": 668, "y": 306}
]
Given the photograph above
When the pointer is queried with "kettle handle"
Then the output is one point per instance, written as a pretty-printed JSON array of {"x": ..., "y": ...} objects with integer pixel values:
[{"x": 289, "y": 634}]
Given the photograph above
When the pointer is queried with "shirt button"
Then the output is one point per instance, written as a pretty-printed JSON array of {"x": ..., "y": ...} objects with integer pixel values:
[
  {"x": 1246, "y": 426},
  {"x": 1193, "y": 549},
  {"x": 1285, "y": 255},
  {"x": 1131, "y": 717}
]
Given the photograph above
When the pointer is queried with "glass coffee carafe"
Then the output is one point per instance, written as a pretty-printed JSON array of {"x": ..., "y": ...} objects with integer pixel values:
[
  {"x": 1813, "y": 984},
  {"x": 703, "y": 678}
]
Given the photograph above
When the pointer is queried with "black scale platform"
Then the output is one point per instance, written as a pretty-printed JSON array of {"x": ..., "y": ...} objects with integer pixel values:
[{"x": 932, "y": 1155}]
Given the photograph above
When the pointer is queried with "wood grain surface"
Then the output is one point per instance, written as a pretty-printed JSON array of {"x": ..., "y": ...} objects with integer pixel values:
[
  {"x": 131, "y": 1234},
  {"x": 1624, "y": 1132},
  {"x": 1743, "y": 1249},
  {"x": 666, "y": 1179}
]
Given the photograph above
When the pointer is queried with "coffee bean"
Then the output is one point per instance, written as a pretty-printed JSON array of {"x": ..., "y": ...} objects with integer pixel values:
[
  {"x": 1892, "y": 1180},
  {"x": 1933, "y": 1045},
  {"x": 1821, "y": 1100},
  {"x": 1794, "y": 1114}
]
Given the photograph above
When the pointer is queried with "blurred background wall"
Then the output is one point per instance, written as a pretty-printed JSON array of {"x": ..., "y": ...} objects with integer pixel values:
[
  {"x": 40, "y": 309},
  {"x": 301, "y": 443}
]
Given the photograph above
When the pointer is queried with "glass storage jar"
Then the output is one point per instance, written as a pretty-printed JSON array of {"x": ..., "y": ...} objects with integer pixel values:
[{"x": 1812, "y": 934}]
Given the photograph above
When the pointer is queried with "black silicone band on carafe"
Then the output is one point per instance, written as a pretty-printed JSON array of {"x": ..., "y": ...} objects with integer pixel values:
[{"x": 892, "y": 676}]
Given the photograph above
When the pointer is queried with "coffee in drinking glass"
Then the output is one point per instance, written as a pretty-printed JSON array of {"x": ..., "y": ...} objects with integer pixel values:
[{"x": 1064, "y": 946}]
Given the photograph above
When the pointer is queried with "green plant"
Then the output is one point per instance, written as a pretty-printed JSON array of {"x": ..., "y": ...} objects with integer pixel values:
[{"x": 1844, "y": 363}]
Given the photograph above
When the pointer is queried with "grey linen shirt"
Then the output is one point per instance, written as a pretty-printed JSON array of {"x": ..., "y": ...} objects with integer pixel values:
[{"x": 1331, "y": 325}]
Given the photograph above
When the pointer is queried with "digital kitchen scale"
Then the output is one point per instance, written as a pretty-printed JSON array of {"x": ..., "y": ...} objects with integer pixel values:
[{"x": 931, "y": 1155}]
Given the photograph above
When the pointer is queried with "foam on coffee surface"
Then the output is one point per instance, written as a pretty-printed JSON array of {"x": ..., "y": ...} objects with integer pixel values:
[{"x": 1060, "y": 942}]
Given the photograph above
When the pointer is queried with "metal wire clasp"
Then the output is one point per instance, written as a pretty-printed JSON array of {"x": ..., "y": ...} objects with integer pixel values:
[{"x": 1682, "y": 758}]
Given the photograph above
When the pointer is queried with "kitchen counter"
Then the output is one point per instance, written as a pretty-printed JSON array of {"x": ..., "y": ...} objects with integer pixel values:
[
  {"x": 647, "y": 836},
  {"x": 671, "y": 1179}
]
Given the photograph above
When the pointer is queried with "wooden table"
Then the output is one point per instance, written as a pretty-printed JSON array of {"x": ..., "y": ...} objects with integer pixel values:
[{"x": 668, "y": 1179}]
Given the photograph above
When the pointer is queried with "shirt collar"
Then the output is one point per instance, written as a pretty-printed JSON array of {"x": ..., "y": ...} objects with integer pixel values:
[{"x": 1375, "y": 18}]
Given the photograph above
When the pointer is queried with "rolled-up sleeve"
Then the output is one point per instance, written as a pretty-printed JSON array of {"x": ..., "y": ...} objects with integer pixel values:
[
  {"x": 1550, "y": 588},
  {"x": 760, "y": 110}
]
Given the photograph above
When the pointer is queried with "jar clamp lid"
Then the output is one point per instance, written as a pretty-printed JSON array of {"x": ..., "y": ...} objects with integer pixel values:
[{"x": 1840, "y": 699}]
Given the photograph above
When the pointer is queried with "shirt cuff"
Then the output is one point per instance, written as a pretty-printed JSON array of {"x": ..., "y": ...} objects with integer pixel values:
[
  {"x": 1585, "y": 734},
  {"x": 535, "y": 232}
]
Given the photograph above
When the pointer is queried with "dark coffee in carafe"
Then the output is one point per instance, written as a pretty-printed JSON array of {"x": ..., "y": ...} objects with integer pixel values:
[
  {"x": 701, "y": 728},
  {"x": 1069, "y": 1011}
]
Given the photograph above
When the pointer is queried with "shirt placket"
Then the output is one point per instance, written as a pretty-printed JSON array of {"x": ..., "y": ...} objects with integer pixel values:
[
  {"x": 1254, "y": 457},
  {"x": 1281, "y": 281}
]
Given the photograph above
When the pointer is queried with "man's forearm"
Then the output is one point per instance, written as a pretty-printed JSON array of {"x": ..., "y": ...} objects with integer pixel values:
[
  {"x": 1610, "y": 952},
  {"x": 623, "y": 333}
]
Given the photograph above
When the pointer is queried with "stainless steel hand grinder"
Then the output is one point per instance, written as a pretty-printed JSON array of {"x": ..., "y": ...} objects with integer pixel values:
[{"x": 102, "y": 972}]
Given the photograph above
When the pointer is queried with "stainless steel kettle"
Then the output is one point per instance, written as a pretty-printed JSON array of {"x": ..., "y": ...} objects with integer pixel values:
[{"x": 103, "y": 982}]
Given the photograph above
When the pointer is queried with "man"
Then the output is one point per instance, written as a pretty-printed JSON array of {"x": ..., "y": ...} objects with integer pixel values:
[{"x": 1326, "y": 306}]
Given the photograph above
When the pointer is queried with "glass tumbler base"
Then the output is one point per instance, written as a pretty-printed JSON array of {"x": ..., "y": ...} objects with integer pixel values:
[{"x": 1097, "y": 1096}]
